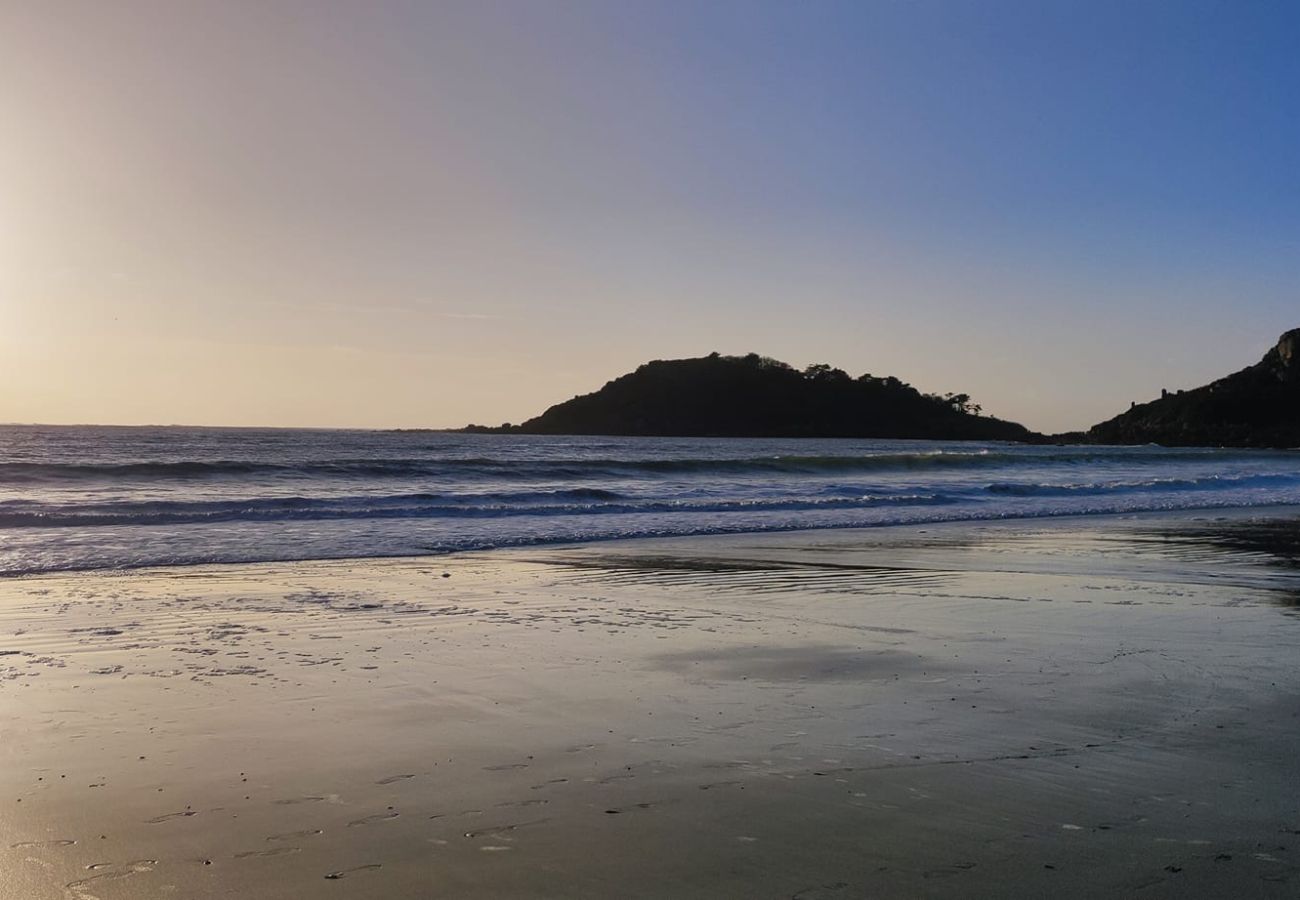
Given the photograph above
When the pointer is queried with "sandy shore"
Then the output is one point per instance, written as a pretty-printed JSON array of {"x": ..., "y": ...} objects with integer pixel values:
[{"x": 1071, "y": 708}]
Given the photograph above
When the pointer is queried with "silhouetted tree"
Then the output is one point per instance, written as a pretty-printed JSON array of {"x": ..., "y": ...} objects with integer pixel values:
[{"x": 825, "y": 373}]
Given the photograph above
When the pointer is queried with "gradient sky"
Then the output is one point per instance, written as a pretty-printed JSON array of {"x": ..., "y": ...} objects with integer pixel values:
[{"x": 420, "y": 213}]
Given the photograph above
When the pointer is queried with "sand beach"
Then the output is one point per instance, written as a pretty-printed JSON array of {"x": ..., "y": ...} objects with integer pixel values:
[
  {"x": 493, "y": 449},
  {"x": 1068, "y": 708}
]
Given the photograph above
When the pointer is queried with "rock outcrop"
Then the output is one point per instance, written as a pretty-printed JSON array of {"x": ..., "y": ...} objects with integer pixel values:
[{"x": 1256, "y": 407}]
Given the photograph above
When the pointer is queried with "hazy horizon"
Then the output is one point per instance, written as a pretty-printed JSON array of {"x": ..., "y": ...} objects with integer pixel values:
[
  {"x": 454, "y": 427},
  {"x": 378, "y": 427},
  {"x": 397, "y": 215}
]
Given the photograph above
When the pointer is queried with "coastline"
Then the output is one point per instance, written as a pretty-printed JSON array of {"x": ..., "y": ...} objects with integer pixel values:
[{"x": 1073, "y": 705}]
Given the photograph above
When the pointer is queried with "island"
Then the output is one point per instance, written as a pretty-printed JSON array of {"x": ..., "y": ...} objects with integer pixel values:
[{"x": 756, "y": 396}]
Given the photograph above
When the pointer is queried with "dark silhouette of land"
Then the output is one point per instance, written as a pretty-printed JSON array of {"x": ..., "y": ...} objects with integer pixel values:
[
  {"x": 755, "y": 396},
  {"x": 1256, "y": 407}
]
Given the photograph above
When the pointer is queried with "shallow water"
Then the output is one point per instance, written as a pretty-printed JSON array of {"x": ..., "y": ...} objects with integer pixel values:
[{"x": 98, "y": 497}]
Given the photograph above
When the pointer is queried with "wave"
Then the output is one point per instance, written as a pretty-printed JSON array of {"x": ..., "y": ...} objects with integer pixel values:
[
  {"x": 378, "y": 544},
  {"x": 585, "y": 502},
  {"x": 514, "y": 469},
  {"x": 99, "y": 500},
  {"x": 49, "y": 512},
  {"x": 1206, "y": 483}
]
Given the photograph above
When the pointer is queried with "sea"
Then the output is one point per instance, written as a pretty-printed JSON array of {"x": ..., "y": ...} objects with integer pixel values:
[{"x": 123, "y": 497}]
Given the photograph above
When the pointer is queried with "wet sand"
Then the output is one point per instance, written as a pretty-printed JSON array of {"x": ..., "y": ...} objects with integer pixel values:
[{"x": 1069, "y": 708}]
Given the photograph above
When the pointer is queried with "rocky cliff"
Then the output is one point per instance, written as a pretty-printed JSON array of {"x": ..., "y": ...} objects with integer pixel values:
[{"x": 1256, "y": 407}]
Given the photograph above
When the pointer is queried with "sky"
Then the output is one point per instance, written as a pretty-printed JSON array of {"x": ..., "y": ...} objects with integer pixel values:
[{"x": 403, "y": 214}]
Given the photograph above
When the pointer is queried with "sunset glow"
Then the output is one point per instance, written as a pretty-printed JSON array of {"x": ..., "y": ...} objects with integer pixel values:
[{"x": 428, "y": 214}]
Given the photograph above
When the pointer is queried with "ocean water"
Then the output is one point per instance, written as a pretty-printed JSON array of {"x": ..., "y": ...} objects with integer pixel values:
[{"x": 97, "y": 497}]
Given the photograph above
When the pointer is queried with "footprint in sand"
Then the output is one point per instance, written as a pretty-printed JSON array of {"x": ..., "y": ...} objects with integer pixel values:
[
  {"x": 370, "y": 820},
  {"x": 503, "y": 829},
  {"x": 344, "y": 873},
  {"x": 293, "y": 801},
  {"x": 185, "y": 813},
  {"x": 633, "y": 806},
  {"x": 275, "y": 851},
  {"x": 295, "y": 835},
  {"x": 394, "y": 778},
  {"x": 81, "y": 889}
]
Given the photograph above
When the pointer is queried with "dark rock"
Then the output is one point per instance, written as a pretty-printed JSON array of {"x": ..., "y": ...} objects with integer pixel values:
[
  {"x": 754, "y": 396},
  {"x": 1256, "y": 407}
]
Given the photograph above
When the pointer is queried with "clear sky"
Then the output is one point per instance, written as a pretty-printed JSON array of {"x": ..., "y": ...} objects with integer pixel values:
[{"x": 422, "y": 213}]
